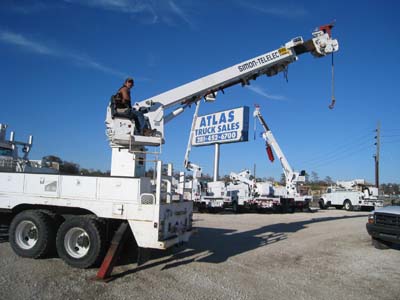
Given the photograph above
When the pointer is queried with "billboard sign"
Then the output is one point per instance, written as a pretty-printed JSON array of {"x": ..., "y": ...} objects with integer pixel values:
[{"x": 229, "y": 126}]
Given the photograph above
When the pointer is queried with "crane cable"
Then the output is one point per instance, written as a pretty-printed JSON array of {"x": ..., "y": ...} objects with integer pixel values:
[
  {"x": 255, "y": 125},
  {"x": 333, "y": 100}
]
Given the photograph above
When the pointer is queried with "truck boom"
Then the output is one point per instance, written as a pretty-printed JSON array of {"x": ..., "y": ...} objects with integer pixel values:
[
  {"x": 291, "y": 176},
  {"x": 270, "y": 63}
]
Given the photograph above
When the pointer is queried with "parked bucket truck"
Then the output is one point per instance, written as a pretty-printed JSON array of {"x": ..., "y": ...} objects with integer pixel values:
[
  {"x": 290, "y": 198},
  {"x": 11, "y": 161},
  {"x": 351, "y": 195}
]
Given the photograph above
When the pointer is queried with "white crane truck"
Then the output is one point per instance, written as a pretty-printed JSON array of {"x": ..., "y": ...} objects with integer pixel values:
[
  {"x": 76, "y": 214},
  {"x": 215, "y": 198},
  {"x": 350, "y": 195},
  {"x": 291, "y": 198},
  {"x": 242, "y": 189},
  {"x": 11, "y": 161}
]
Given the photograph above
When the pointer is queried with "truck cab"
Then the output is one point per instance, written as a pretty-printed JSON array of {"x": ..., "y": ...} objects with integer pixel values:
[
  {"x": 384, "y": 226},
  {"x": 6, "y": 158}
]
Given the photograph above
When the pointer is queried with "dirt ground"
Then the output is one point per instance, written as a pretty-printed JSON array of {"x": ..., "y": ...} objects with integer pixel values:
[{"x": 322, "y": 255}]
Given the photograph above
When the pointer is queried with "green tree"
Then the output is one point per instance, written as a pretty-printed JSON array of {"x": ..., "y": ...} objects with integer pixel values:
[
  {"x": 69, "y": 168},
  {"x": 307, "y": 176},
  {"x": 52, "y": 158},
  {"x": 271, "y": 179},
  {"x": 72, "y": 168},
  {"x": 315, "y": 177},
  {"x": 328, "y": 180},
  {"x": 283, "y": 179},
  {"x": 150, "y": 173}
]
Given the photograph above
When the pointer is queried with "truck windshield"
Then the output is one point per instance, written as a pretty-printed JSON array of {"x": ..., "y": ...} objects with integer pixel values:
[
  {"x": 396, "y": 201},
  {"x": 5, "y": 152}
]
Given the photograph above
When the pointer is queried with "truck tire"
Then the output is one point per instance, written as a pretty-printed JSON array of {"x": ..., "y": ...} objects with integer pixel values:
[
  {"x": 347, "y": 205},
  {"x": 201, "y": 208},
  {"x": 381, "y": 245},
  {"x": 32, "y": 234},
  {"x": 81, "y": 242},
  {"x": 322, "y": 204},
  {"x": 56, "y": 221}
]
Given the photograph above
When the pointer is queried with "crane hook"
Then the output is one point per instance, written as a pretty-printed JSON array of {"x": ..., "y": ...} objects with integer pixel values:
[{"x": 333, "y": 100}]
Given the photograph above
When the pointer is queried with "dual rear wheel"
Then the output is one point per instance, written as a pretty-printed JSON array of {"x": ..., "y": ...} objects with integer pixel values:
[{"x": 80, "y": 240}]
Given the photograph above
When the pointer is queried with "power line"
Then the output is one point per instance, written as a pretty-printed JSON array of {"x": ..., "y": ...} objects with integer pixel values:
[
  {"x": 391, "y": 129},
  {"x": 359, "y": 140},
  {"x": 393, "y": 135},
  {"x": 390, "y": 142},
  {"x": 344, "y": 155},
  {"x": 339, "y": 150}
]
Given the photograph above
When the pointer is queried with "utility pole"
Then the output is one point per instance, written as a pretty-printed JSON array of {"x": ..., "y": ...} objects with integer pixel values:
[
  {"x": 216, "y": 162},
  {"x": 376, "y": 156}
]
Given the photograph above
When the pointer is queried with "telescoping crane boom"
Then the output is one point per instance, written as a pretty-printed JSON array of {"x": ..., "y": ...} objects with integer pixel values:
[
  {"x": 243, "y": 176},
  {"x": 127, "y": 147},
  {"x": 270, "y": 63},
  {"x": 292, "y": 177}
]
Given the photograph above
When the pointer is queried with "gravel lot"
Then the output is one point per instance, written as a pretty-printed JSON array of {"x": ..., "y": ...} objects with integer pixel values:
[{"x": 321, "y": 255}]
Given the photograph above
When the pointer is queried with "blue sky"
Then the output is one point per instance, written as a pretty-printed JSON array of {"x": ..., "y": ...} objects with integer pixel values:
[{"x": 61, "y": 61}]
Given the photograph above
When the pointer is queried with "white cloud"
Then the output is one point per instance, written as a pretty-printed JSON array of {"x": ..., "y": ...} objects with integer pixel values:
[
  {"x": 90, "y": 63},
  {"x": 278, "y": 10},
  {"x": 19, "y": 40},
  {"x": 125, "y": 6},
  {"x": 258, "y": 90},
  {"x": 16, "y": 39},
  {"x": 148, "y": 11},
  {"x": 179, "y": 12}
]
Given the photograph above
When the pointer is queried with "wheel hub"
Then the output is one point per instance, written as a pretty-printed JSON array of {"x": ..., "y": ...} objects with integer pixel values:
[
  {"x": 77, "y": 242},
  {"x": 32, "y": 234},
  {"x": 26, "y": 235},
  {"x": 83, "y": 241}
]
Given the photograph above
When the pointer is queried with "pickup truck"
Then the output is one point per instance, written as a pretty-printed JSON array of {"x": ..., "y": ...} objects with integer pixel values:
[
  {"x": 384, "y": 226},
  {"x": 349, "y": 199}
]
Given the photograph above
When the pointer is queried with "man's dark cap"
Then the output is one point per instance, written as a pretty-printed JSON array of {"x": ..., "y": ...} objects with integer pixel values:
[{"x": 129, "y": 79}]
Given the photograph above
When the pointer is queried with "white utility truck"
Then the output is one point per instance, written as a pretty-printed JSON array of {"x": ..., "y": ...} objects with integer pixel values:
[
  {"x": 290, "y": 198},
  {"x": 190, "y": 188},
  {"x": 216, "y": 197},
  {"x": 268, "y": 196},
  {"x": 219, "y": 195},
  {"x": 353, "y": 194},
  {"x": 11, "y": 161},
  {"x": 242, "y": 189},
  {"x": 78, "y": 214}
]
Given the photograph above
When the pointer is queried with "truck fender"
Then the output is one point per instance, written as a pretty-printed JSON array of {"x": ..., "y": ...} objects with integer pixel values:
[{"x": 323, "y": 204}]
